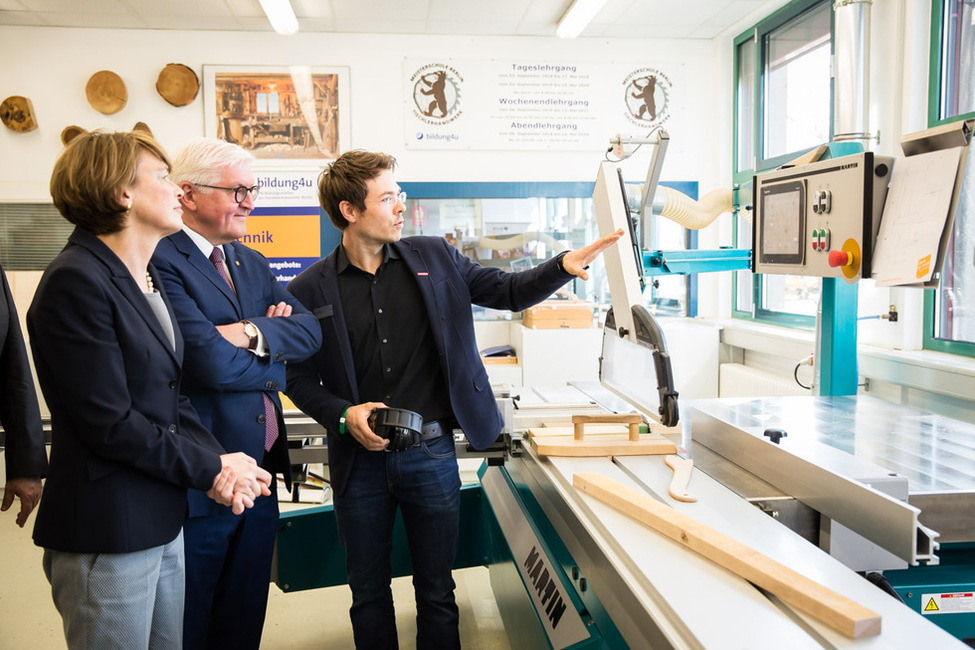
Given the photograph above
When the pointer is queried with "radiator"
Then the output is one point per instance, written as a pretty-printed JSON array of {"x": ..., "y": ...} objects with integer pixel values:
[{"x": 738, "y": 380}]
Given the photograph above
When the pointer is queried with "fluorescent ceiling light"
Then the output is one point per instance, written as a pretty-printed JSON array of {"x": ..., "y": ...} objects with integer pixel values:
[
  {"x": 281, "y": 16},
  {"x": 577, "y": 17}
]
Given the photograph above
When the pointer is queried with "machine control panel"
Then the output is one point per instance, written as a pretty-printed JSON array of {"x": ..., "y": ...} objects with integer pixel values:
[
  {"x": 821, "y": 201},
  {"x": 820, "y": 219},
  {"x": 820, "y": 239}
]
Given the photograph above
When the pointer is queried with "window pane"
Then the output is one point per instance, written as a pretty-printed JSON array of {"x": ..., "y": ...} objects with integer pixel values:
[
  {"x": 746, "y": 105},
  {"x": 955, "y": 312},
  {"x": 954, "y": 317},
  {"x": 667, "y": 294},
  {"x": 791, "y": 294},
  {"x": 521, "y": 233},
  {"x": 31, "y": 235},
  {"x": 513, "y": 234},
  {"x": 797, "y": 83},
  {"x": 958, "y": 62}
]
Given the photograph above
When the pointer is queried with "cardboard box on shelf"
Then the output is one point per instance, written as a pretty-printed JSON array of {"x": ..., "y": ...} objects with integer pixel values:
[{"x": 558, "y": 314}]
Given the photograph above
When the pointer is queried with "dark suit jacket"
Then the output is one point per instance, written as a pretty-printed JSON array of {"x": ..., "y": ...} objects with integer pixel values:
[
  {"x": 20, "y": 416},
  {"x": 224, "y": 382},
  {"x": 325, "y": 384},
  {"x": 124, "y": 444}
]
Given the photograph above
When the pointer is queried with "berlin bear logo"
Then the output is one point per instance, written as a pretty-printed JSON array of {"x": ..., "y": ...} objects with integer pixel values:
[
  {"x": 646, "y": 94},
  {"x": 436, "y": 93}
]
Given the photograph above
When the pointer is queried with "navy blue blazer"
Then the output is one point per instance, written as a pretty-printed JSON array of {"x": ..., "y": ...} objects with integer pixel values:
[
  {"x": 24, "y": 450},
  {"x": 324, "y": 385},
  {"x": 226, "y": 383},
  {"x": 124, "y": 444}
]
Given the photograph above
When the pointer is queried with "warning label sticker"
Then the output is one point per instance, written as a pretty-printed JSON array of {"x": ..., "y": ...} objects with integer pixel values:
[{"x": 948, "y": 603}]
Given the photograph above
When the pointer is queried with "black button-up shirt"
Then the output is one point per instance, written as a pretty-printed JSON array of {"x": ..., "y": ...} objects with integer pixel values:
[{"x": 396, "y": 359}]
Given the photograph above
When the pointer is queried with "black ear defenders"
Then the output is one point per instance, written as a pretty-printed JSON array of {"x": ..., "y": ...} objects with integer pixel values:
[{"x": 401, "y": 427}]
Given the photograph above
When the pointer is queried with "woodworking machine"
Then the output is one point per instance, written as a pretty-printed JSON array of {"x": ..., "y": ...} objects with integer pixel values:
[
  {"x": 832, "y": 500},
  {"x": 859, "y": 496},
  {"x": 853, "y": 487},
  {"x": 847, "y": 491}
]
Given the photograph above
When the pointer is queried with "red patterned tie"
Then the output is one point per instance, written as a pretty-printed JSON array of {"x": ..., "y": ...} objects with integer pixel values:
[
  {"x": 270, "y": 415},
  {"x": 216, "y": 256}
]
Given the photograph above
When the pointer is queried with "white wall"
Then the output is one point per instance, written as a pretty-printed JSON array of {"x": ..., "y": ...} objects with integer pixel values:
[{"x": 51, "y": 66}]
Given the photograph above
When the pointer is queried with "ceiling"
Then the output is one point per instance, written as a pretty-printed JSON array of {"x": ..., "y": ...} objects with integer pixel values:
[{"x": 618, "y": 18}]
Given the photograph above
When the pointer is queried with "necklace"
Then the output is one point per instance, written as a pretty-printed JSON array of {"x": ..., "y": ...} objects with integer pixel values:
[{"x": 149, "y": 284}]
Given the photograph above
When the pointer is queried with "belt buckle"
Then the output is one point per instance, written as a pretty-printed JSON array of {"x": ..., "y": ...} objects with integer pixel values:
[{"x": 418, "y": 436}]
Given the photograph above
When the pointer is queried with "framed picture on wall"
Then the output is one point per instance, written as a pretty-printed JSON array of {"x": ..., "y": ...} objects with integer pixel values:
[{"x": 286, "y": 113}]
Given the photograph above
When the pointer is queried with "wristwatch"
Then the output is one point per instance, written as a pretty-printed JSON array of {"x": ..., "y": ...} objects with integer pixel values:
[{"x": 250, "y": 329}]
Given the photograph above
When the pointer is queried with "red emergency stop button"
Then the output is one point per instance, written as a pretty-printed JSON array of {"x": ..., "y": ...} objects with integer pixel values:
[{"x": 840, "y": 258}]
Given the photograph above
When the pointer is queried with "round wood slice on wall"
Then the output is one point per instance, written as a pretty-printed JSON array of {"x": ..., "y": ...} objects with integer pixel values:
[
  {"x": 70, "y": 132},
  {"x": 178, "y": 84},
  {"x": 106, "y": 92},
  {"x": 17, "y": 114}
]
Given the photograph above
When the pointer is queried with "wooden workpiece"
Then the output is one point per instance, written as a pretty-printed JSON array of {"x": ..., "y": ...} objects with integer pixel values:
[
  {"x": 844, "y": 615},
  {"x": 611, "y": 435}
]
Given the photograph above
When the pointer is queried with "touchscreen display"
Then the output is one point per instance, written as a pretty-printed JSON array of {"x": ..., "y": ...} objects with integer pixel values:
[{"x": 783, "y": 223}]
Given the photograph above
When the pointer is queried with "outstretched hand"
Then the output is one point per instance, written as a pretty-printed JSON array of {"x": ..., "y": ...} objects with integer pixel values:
[{"x": 576, "y": 261}]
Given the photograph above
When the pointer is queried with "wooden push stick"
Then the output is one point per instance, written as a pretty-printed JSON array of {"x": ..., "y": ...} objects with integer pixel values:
[
  {"x": 835, "y": 610},
  {"x": 682, "y": 476},
  {"x": 631, "y": 419}
]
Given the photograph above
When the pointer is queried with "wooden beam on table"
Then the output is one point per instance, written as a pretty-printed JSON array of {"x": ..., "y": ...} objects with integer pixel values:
[
  {"x": 844, "y": 615},
  {"x": 603, "y": 445}
]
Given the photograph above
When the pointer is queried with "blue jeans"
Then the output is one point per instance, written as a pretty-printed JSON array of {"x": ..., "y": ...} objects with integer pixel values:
[{"x": 424, "y": 483}]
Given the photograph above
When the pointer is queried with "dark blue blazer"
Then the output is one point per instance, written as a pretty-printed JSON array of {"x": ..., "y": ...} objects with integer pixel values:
[
  {"x": 226, "y": 383},
  {"x": 24, "y": 450},
  {"x": 124, "y": 444},
  {"x": 324, "y": 385}
]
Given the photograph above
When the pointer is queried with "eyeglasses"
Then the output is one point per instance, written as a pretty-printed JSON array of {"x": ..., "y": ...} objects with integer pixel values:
[
  {"x": 392, "y": 199},
  {"x": 240, "y": 192}
]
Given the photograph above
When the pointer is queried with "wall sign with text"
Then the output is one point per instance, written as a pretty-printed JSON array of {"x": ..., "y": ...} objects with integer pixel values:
[
  {"x": 532, "y": 105},
  {"x": 285, "y": 225}
]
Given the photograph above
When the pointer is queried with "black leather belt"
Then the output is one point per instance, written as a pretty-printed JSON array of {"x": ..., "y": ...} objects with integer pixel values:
[{"x": 436, "y": 429}]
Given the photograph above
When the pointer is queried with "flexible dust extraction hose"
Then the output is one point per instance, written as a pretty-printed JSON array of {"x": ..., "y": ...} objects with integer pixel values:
[{"x": 692, "y": 214}]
